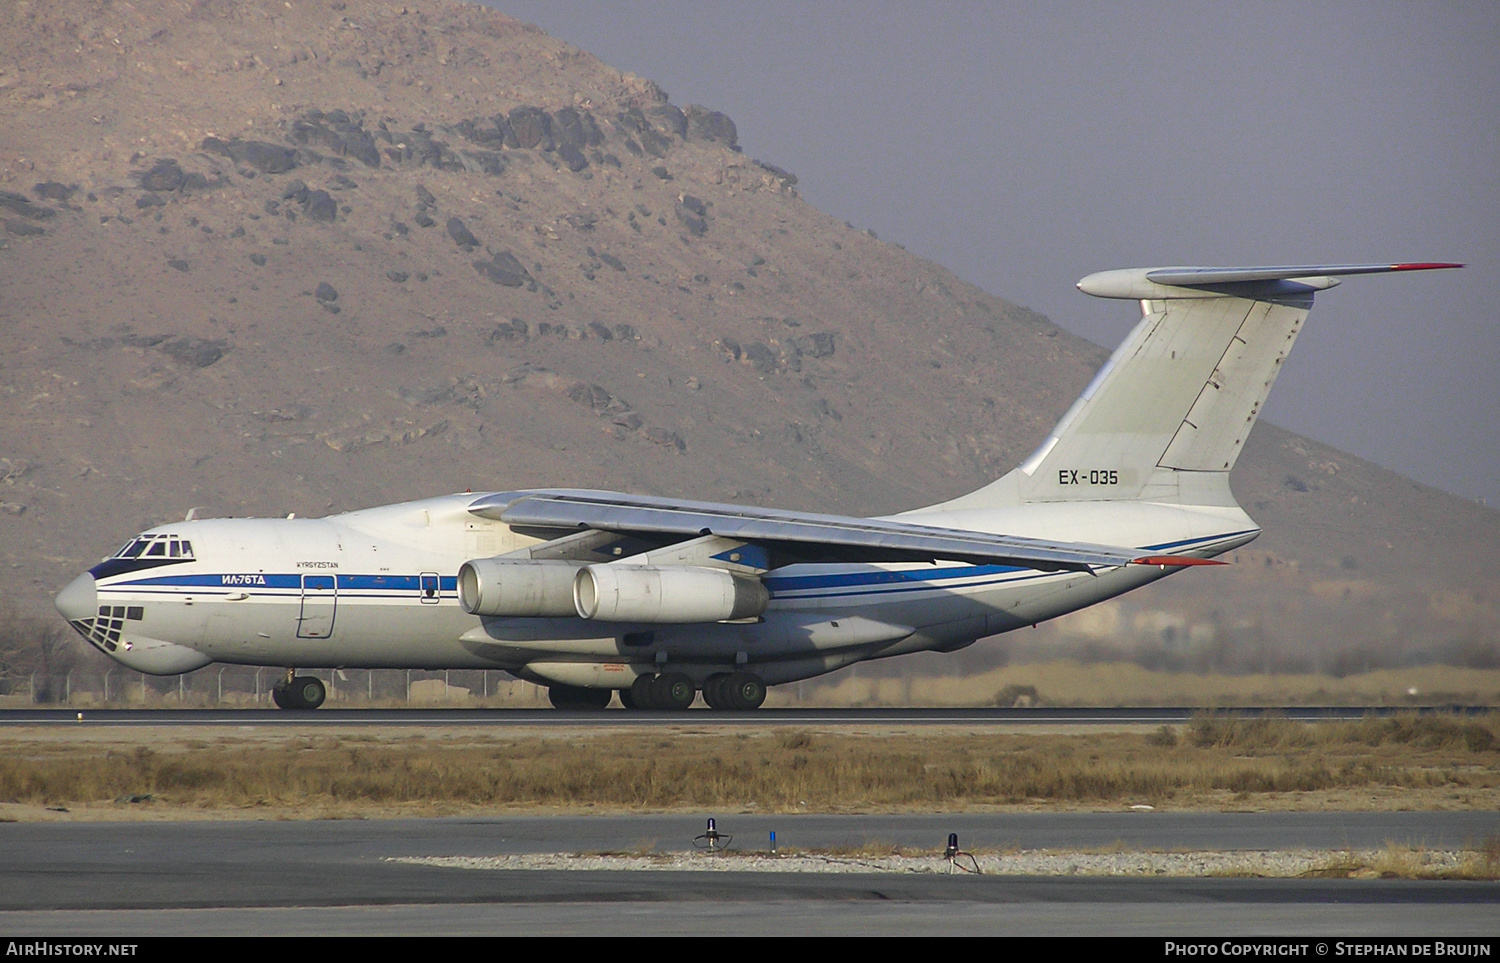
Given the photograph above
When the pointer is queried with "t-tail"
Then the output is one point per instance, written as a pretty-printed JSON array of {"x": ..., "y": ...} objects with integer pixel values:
[{"x": 1166, "y": 417}]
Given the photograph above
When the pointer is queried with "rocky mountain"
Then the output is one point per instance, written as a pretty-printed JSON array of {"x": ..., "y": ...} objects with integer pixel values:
[{"x": 265, "y": 257}]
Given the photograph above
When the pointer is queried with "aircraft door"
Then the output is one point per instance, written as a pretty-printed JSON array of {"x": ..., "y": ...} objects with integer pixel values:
[
  {"x": 431, "y": 588},
  {"x": 319, "y": 604}
]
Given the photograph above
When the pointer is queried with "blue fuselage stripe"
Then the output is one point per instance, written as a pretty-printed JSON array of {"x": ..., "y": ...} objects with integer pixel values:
[
  {"x": 785, "y": 587},
  {"x": 353, "y": 583},
  {"x": 890, "y": 582},
  {"x": 1200, "y": 540},
  {"x": 793, "y": 583}
]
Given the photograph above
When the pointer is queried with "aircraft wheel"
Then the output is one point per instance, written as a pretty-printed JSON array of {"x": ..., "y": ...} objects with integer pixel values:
[
  {"x": 627, "y": 699},
  {"x": 674, "y": 691},
  {"x": 746, "y": 691},
  {"x": 310, "y": 691},
  {"x": 641, "y": 694},
  {"x": 302, "y": 694},
  {"x": 578, "y": 698},
  {"x": 713, "y": 691}
]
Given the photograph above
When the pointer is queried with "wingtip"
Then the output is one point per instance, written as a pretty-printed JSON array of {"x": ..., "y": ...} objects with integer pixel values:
[{"x": 1425, "y": 266}]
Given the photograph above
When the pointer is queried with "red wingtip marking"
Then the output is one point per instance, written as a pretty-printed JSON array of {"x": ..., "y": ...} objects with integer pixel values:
[
  {"x": 1424, "y": 266},
  {"x": 1174, "y": 560}
]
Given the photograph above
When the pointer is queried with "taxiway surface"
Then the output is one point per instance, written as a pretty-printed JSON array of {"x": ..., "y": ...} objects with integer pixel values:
[{"x": 326, "y": 877}]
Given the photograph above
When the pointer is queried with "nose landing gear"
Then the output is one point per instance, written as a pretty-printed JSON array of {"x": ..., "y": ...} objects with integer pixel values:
[{"x": 301, "y": 693}]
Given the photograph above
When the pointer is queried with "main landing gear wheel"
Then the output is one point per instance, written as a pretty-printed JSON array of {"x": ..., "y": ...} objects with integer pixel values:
[
  {"x": 673, "y": 691},
  {"x": 670, "y": 691},
  {"x": 300, "y": 693},
  {"x": 745, "y": 691},
  {"x": 638, "y": 696},
  {"x": 740, "y": 691},
  {"x": 579, "y": 698},
  {"x": 714, "y": 693}
]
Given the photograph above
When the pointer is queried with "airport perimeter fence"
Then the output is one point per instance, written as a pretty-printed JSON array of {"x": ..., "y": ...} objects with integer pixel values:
[{"x": 248, "y": 687}]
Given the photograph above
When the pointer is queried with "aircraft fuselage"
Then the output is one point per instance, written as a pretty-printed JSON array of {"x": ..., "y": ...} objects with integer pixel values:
[{"x": 378, "y": 589}]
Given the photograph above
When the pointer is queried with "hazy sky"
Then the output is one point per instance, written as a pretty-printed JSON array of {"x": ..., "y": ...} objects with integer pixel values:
[{"x": 1023, "y": 146}]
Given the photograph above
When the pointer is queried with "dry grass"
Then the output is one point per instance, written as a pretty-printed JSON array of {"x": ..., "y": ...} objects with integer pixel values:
[
  {"x": 1067, "y": 682},
  {"x": 1481, "y": 862},
  {"x": 1426, "y": 762},
  {"x": 1270, "y": 733}
]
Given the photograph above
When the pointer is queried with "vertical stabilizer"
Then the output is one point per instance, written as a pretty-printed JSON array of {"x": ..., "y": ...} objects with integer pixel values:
[{"x": 1168, "y": 414}]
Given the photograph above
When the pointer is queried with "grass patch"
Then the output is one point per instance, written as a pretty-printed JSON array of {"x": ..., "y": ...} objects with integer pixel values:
[
  {"x": 1415, "y": 862},
  {"x": 1219, "y": 763}
]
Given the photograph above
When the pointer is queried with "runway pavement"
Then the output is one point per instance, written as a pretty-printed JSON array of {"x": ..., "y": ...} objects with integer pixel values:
[
  {"x": 340, "y": 877},
  {"x": 1142, "y": 715}
]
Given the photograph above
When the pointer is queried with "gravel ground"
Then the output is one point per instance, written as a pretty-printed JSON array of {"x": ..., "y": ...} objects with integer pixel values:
[{"x": 1288, "y": 863}]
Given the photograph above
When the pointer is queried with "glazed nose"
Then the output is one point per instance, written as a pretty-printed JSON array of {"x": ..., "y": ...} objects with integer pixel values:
[{"x": 80, "y": 600}]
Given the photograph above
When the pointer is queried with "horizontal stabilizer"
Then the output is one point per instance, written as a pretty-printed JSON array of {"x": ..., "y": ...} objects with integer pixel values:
[{"x": 1138, "y": 284}]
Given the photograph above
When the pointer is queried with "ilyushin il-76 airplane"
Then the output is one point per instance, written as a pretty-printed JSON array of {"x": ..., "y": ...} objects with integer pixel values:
[{"x": 594, "y": 592}]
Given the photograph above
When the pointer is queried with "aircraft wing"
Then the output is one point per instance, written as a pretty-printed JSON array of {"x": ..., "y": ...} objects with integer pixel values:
[{"x": 796, "y": 536}]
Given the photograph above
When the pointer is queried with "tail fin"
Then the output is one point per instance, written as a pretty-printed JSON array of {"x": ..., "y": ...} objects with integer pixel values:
[{"x": 1166, "y": 417}]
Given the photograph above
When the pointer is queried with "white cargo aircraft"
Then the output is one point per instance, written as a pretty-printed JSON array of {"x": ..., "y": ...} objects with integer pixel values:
[{"x": 594, "y": 592}]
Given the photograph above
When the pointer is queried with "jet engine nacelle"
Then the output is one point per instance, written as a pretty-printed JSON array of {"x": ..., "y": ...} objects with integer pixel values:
[
  {"x": 517, "y": 588},
  {"x": 636, "y": 593}
]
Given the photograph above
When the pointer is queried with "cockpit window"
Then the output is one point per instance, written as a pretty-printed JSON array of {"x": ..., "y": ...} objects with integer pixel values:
[{"x": 157, "y": 546}]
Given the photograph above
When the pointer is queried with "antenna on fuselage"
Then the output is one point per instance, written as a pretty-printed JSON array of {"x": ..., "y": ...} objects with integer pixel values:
[{"x": 192, "y": 513}]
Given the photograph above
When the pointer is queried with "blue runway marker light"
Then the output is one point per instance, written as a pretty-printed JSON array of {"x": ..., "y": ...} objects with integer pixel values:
[
  {"x": 711, "y": 839},
  {"x": 956, "y": 857}
]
